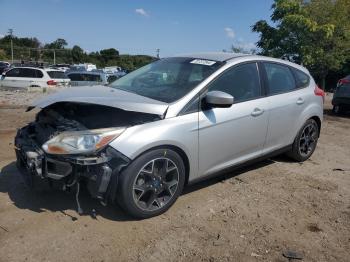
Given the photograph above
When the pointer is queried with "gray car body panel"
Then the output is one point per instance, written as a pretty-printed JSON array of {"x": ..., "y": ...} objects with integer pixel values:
[
  {"x": 216, "y": 139},
  {"x": 107, "y": 96}
]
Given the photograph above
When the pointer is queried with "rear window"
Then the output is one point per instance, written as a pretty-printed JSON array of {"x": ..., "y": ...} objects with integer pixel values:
[
  {"x": 92, "y": 78},
  {"x": 85, "y": 77},
  {"x": 56, "y": 74},
  {"x": 303, "y": 80},
  {"x": 76, "y": 77},
  {"x": 343, "y": 89}
]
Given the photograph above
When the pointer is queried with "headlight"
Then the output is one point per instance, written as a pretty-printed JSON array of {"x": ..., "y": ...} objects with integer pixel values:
[{"x": 78, "y": 142}]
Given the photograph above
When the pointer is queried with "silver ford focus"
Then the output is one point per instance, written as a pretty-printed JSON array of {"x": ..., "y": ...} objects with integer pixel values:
[{"x": 173, "y": 122}]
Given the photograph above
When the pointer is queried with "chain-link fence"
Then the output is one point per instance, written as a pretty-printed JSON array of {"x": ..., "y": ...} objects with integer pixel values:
[{"x": 16, "y": 54}]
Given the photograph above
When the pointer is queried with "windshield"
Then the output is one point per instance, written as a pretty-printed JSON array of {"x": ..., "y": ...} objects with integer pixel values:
[{"x": 167, "y": 80}]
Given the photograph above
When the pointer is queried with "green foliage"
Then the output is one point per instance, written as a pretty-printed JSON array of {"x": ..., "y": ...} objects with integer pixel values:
[
  {"x": 315, "y": 33},
  {"x": 31, "y": 49},
  {"x": 242, "y": 50},
  {"x": 2, "y": 54},
  {"x": 78, "y": 54},
  {"x": 57, "y": 44}
]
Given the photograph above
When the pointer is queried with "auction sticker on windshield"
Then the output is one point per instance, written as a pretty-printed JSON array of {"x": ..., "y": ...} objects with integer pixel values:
[{"x": 202, "y": 62}]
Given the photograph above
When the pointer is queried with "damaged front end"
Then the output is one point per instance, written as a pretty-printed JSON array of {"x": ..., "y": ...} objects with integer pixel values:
[{"x": 68, "y": 145}]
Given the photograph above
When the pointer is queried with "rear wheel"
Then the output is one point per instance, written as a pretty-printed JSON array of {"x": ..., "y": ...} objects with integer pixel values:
[
  {"x": 337, "y": 109},
  {"x": 305, "y": 143},
  {"x": 151, "y": 183}
]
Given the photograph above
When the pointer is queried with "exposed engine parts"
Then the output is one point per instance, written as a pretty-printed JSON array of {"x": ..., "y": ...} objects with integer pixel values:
[{"x": 98, "y": 171}]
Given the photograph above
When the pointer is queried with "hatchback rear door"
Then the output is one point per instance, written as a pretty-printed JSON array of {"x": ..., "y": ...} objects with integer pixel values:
[{"x": 287, "y": 98}]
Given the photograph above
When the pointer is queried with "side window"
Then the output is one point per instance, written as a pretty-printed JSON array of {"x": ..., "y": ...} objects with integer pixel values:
[
  {"x": 13, "y": 72},
  {"x": 242, "y": 82},
  {"x": 92, "y": 78},
  {"x": 303, "y": 80},
  {"x": 280, "y": 78},
  {"x": 38, "y": 74},
  {"x": 27, "y": 72},
  {"x": 75, "y": 77}
]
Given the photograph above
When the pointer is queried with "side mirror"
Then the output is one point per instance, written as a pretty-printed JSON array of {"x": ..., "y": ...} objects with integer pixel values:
[{"x": 218, "y": 99}]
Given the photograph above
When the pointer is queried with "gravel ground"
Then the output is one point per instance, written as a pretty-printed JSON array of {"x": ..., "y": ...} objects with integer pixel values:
[
  {"x": 253, "y": 214},
  {"x": 21, "y": 98}
]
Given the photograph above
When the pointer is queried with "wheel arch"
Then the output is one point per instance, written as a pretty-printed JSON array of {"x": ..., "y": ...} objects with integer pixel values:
[
  {"x": 319, "y": 123},
  {"x": 178, "y": 150}
]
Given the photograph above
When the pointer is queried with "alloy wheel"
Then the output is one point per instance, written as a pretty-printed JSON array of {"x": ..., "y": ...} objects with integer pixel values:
[
  {"x": 155, "y": 184},
  {"x": 308, "y": 139}
]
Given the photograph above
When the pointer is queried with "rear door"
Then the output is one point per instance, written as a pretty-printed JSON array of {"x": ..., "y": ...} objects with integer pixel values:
[{"x": 286, "y": 100}]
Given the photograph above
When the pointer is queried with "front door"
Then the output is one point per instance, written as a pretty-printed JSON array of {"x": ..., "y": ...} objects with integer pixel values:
[{"x": 229, "y": 136}]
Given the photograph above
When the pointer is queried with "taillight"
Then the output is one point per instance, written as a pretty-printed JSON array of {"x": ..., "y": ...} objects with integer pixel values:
[
  {"x": 319, "y": 92},
  {"x": 343, "y": 81},
  {"x": 51, "y": 83}
]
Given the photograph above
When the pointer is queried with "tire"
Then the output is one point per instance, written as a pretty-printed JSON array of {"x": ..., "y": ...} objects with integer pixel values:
[
  {"x": 337, "y": 109},
  {"x": 305, "y": 144},
  {"x": 151, "y": 183}
]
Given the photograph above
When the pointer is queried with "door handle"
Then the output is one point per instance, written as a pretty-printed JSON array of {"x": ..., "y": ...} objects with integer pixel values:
[
  {"x": 257, "y": 112},
  {"x": 300, "y": 101}
]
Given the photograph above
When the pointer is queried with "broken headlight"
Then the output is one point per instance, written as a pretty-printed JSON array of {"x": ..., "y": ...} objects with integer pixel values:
[{"x": 78, "y": 142}]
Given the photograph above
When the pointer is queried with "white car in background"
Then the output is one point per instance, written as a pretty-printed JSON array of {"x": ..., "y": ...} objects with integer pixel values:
[
  {"x": 27, "y": 77},
  {"x": 59, "y": 77}
]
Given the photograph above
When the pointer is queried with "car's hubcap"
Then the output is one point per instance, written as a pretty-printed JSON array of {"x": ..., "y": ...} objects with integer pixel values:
[
  {"x": 336, "y": 109},
  {"x": 308, "y": 139},
  {"x": 155, "y": 184}
]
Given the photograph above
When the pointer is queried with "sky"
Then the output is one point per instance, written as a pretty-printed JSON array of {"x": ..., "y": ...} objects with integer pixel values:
[{"x": 138, "y": 26}]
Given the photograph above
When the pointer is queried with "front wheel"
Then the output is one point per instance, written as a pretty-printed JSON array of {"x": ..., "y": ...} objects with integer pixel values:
[
  {"x": 305, "y": 143},
  {"x": 151, "y": 183}
]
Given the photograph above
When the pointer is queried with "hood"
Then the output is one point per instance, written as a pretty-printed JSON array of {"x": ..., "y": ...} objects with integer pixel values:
[{"x": 106, "y": 96}]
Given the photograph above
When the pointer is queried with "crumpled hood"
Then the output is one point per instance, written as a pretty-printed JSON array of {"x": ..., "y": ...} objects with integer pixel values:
[{"x": 104, "y": 95}]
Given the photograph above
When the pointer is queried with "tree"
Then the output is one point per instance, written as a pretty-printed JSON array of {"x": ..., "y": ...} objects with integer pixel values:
[
  {"x": 242, "y": 50},
  {"x": 109, "y": 54},
  {"x": 78, "y": 54},
  {"x": 59, "y": 43},
  {"x": 315, "y": 33},
  {"x": 3, "y": 54}
]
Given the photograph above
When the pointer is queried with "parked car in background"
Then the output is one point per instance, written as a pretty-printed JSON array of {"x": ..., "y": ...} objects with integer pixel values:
[
  {"x": 4, "y": 66},
  {"x": 89, "y": 78},
  {"x": 173, "y": 122},
  {"x": 59, "y": 77},
  {"x": 85, "y": 78},
  {"x": 25, "y": 77},
  {"x": 62, "y": 67},
  {"x": 83, "y": 67},
  {"x": 341, "y": 96},
  {"x": 344, "y": 80}
]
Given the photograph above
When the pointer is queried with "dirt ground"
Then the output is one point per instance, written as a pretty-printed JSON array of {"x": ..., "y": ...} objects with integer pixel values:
[{"x": 254, "y": 214}]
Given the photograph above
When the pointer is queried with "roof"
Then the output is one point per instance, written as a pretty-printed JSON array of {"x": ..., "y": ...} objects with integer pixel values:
[
  {"x": 27, "y": 67},
  {"x": 215, "y": 56}
]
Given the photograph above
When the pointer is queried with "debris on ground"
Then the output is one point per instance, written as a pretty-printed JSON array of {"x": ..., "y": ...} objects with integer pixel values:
[{"x": 292, "y": 255}]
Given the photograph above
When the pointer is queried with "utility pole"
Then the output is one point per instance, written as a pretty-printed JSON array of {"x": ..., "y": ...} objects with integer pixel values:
[
  {"x": 10, "y": 32},
  {"x": 54, "y": 56},
  {"x": 158, "y": 52}
]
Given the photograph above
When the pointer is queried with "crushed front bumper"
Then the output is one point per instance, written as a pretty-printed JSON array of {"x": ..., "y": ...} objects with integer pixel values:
[{"x": 99, "y": 171}]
